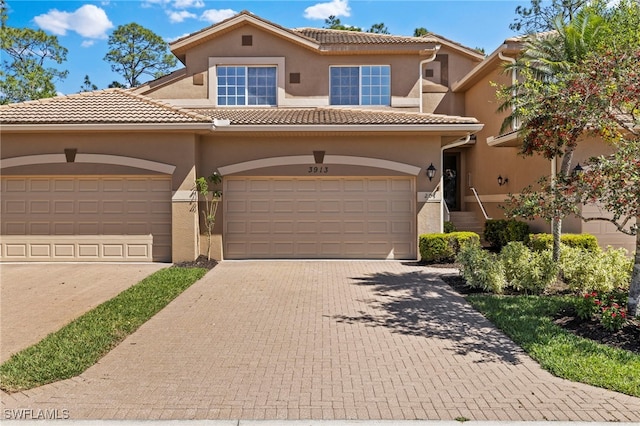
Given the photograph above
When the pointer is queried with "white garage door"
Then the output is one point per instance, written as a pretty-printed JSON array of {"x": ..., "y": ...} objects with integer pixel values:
[
  {"x": 86, "y": 218},
  {"x": 345, "y": 217}
]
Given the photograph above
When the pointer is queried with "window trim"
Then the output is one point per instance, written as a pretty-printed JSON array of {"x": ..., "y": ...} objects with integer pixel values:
[
  {"x": 277, "y": 61},
  {"x": 360, "y": 84}
]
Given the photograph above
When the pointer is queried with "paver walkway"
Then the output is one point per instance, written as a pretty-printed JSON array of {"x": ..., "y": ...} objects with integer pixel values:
[
  {"x": 322, "y": 340},
  {"x": 38, "y": 299}
]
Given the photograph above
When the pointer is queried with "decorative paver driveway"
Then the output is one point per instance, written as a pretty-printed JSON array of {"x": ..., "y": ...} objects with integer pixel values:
[
  {"x": 39, "y": 298},
  {"x": 330, "y": 340}
]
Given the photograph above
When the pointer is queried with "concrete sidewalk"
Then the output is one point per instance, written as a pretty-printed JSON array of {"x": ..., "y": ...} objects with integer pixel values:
[{"x": 322, "y": 340}]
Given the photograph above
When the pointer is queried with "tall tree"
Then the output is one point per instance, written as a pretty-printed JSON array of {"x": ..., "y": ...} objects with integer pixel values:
[
  {"x": 25, "y": 72},
  {"x": 87, "y": 85},
  {"x": 334, "y": 23},
  {"x": 539, "y": 17},
  {"x": 135, "y": 51},
  {"x": 544, "y": 67},
  {"x": 379, "y": 28},
  {"x": 603, "y": 90},
  {"x": 420, "y": 32}
]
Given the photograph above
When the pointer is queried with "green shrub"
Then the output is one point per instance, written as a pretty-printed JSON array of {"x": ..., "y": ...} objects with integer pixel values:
[
  {"x": 435, "y": 248},
  {"x": 601, "y": 271},
  {"x": 499, "y": 232},
  {"x": 527, "y": 270},
  {"x": 449, "y": 227},
  {"x": 539, "y": 242},
  {"x": 444, "y": 247},
  {"x": 481, "y": 269}
]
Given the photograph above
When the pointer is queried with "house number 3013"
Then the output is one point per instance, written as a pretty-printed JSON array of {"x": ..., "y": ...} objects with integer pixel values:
[{"x": 318, "y": 170}]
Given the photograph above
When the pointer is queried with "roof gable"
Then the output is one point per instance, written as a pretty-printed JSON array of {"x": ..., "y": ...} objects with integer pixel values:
[
  {"x": 182, "y": 45},
  {"x": 322, "y": 40}
]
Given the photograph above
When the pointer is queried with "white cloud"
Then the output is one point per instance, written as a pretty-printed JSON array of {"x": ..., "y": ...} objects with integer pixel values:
[
  {"x": 217, "y": 15},
  {"x": 89, "y": 21},
  {"x": 324, "y": 10},
  {"x": 150, "y": 3},
  {"x": 180, "y": 16},
  {"x": 185, "y": 4},
  {"x": 88, "y": 43}
]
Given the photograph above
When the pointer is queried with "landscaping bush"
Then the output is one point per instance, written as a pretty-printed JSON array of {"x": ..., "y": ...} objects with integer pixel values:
[
  {"x": 444, "y": 247},
  {"x": 609, "y": 308},
  {"x": 599, "y": 270},
  {"x": 499, "y": 232},
  {"x": 481, "y": 269},
  {"x": 449, "y": 227},
  {"x": 540, "y": 242},
  {"x": 526, "y": 270}
]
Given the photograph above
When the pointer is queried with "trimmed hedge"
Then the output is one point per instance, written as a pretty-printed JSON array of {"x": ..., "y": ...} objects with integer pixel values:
[
  {"x": 540, "y": 242},
  {"x": 499, "y": 232},
  {"x": 444, "y": 247}
]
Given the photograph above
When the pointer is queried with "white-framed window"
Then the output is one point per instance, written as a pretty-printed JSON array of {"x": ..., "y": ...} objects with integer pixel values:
[
  {"x": 360, "y": 85},
  {"x": 246, "y": 85}
]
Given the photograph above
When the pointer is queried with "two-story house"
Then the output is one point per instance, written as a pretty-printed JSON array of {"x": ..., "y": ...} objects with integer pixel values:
[{"x": 331, "y": 144}]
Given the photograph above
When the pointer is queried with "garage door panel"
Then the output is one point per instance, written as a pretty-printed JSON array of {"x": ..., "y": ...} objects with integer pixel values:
[
  {"x": 346, "y": 217},
  {"x": 59, "y": 207},
  {"x": 63, "y": 228},
  {"x": 117, "y": 209},
  {"x": 15, "y": 207}
]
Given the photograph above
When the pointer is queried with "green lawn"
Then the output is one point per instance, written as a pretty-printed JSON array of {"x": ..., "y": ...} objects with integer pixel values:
[
  {"x": 528, "y": 320},
  {"x": 81, "y": 343}
]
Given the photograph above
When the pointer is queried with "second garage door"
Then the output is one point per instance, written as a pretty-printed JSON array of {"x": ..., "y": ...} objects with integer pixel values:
[
  {"x": 334, "y": 218},
  {"x": 85, "y": 218}
]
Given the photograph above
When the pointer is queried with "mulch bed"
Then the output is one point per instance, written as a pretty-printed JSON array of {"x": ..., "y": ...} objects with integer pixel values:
[
  {"x": 200, "y": 262},
  {"x": 627, "y": 338}
]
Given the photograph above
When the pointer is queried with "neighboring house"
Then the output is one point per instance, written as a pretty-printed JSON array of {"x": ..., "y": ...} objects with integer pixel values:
[
  {"x": 324, "y": 139},
  {"x": 493, "y": 166}
]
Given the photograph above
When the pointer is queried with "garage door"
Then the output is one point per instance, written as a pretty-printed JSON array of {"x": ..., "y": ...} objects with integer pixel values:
[
  {"x": 346, "y": 217},
  {"x": 86, "y": 218}
]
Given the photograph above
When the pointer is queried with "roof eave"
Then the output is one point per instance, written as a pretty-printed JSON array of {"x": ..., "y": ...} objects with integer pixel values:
[
  {"x": 114, "y": 127},
  {"x": 484, "y": 67},
  {"x": 429, "y": 128},
  {"x": 509, "y": 140}
]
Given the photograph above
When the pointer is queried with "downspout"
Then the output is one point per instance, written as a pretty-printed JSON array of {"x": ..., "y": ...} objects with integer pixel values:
[
  {"x": 425, "y": 61},
  {"x": 514, "y": 79},
  {"x": 441, "y": 184}
]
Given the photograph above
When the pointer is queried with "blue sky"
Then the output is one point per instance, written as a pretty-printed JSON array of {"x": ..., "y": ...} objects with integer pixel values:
[{"x": 83, "y": 27}]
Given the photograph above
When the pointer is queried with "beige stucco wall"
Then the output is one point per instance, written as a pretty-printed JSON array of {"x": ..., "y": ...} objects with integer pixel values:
[{"x": 314, "y": 69}]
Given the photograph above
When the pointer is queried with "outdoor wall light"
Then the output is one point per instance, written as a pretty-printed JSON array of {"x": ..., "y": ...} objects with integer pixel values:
[
  {"x": 502, "y": 181},
  {"x": 431, "y": 171},
  {"x": 578, "y": 170}
]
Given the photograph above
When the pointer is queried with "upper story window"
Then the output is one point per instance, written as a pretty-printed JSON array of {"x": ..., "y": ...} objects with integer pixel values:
[
  {"x": 242, "y": 85},
  {"x": 360, "y": 85}
]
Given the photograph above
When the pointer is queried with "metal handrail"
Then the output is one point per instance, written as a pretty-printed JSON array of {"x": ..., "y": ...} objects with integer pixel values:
[
  {"x": 484, "y": 212},
  {"x": 446, "y": 210}
]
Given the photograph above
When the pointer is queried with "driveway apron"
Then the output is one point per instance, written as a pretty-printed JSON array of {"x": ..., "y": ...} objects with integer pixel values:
[{"x": 322, "y": 340}]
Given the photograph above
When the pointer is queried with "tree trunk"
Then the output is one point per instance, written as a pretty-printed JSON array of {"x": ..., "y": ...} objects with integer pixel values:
[
  {"x": 556, "y": 230},
  {"x": 634, "y": 287}
]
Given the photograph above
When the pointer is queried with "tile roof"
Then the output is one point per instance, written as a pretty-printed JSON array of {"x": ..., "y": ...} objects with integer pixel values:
[
  {"x": 327, "y": 116},
  {"x": 328, "y": 36},
  {"x": 111, "y": 106}
]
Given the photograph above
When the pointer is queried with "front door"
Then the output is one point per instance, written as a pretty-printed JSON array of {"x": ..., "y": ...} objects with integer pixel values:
[{"x": 450, "y": 177}]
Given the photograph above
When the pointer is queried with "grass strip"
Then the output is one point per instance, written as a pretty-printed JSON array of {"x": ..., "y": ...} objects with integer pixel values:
[
  {"x": 528, "y": 321},
  {"x": 77, "y": 346}
]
